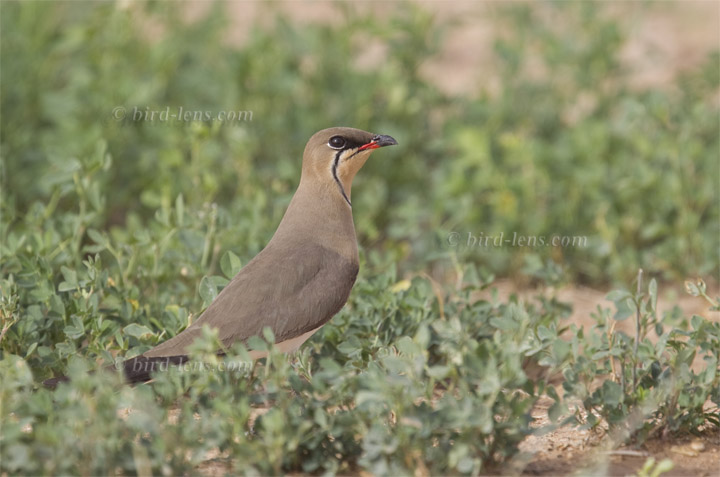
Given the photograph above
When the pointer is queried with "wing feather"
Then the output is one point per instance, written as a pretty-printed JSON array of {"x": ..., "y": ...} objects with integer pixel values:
[{"x": 292, "y": 291}]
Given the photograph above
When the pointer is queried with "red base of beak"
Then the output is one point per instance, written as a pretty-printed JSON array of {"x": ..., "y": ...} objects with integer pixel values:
[{"x": 370, "y": 145}]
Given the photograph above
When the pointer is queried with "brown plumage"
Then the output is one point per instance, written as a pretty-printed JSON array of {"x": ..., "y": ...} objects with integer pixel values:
[{"x": 304, "y": 275}]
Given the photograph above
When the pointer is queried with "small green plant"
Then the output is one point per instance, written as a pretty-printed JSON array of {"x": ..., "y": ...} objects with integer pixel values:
[
  {"x": 699, "y": 288},
  {"x": 655, "y": 380}
]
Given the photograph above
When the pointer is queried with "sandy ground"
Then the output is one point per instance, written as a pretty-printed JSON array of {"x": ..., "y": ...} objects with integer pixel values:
[
  {"x": 664, "y": 38},
  {"x": 569, "y": 451}
]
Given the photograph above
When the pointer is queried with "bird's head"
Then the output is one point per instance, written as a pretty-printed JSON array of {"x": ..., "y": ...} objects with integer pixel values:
[{"x": 333, "y": 156}]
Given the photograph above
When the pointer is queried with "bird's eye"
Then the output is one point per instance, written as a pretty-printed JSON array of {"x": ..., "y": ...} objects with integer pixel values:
[{"x": 337, "y": 142}]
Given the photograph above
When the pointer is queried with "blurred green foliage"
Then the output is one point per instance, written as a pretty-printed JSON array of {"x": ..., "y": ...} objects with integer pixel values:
[
  {"x": 566, "y": 147},
  {"x": 116, "y": 234}
]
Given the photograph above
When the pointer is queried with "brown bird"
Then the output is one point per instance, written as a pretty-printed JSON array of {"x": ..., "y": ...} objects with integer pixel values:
[{"x": 304, "y": 275}]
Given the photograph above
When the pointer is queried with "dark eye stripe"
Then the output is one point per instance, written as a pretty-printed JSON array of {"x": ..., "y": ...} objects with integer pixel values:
[{"x": 340, "y": 143}]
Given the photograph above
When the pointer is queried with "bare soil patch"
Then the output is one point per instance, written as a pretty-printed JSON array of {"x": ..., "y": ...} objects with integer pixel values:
[{"x": 569, "y": 451}]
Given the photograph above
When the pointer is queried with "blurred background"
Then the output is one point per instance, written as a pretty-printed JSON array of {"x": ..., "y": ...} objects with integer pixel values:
[{"x": 547, "y": 119}]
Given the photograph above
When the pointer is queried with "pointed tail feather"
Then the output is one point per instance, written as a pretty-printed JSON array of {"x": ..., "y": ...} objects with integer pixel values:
[
  {"x": 52, "y": 383},
  {"x": 141, "y": 369}
]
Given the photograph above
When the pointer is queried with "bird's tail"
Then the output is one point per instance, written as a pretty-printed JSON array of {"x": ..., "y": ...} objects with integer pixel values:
[
  {"x": 141, "y": 369},
  {"x": 136, "y": 370}
]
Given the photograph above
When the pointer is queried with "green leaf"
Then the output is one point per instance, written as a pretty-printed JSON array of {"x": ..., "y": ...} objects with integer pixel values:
[
  {"x": 371, "y": 397},
  {"x": 70, "y": 282},
  {"x": 544, "y": 333},
  {"x": 57, "y": 306},
  {"x": 30, "y": 350},
  {"x": 617, "y": 296},
  {"x": 137, "y": 331},
  {"x": 350, "y": 346},
  {"x": 691, "y": 288},
  {"x": 395, "y": 364},
  {"x": 422, "y": 336},
  {"x": 438, "y": 371},
  {"x": 625, "y": 309},
  {"x": 611, "y": 393},
  {"x": 696, "y": 322},
  {"x": 208, "y": 290},
  {"x": 665, "y": 465},
  {"x": 76, "y": 329},
  {"x": 96, "y": 236},
  {"x": 256, "y": 343},
  {"x": 65, "y": 286},
  {"x": 406, "y": 345},
  {"x": 268, "y": 334},
  {"x": 652, "y": 291},
  {"x": 180, "y": 209},
  {"x": 230, "y": 264},
  {"x": 561, "y": 349},
  {"x": 504, "y": 323}
]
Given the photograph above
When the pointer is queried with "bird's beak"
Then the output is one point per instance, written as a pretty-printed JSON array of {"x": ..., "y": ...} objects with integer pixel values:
[{"x": 378, "y": 141}]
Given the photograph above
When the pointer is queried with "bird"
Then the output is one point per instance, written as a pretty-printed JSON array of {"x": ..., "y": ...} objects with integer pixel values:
[{"x": 305, "y": 273}]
